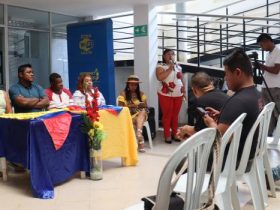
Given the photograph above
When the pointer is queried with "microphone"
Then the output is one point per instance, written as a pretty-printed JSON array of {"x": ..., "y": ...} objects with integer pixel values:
[{"x": 175, "y": 65}]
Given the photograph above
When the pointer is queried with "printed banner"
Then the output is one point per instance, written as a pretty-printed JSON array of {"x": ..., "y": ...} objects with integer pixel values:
[{"x": 90, "y": 49}]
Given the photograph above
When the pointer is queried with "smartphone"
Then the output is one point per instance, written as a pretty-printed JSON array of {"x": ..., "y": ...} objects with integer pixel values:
[
  {"x": 201, "y": 111},
  {"x": 141, "y": 104}
]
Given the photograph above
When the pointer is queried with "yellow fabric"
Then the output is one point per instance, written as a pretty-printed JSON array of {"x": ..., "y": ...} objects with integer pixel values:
[
  {"x": 28, "y": 116},
  {"x": 134, "y": 101},
  {"x": 120, "y": 138}
]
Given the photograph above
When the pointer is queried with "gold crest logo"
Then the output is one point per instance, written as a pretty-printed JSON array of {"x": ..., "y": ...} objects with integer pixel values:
[
  {"x": 86, "y": 44},
  {"x": 94, "y": 74}
]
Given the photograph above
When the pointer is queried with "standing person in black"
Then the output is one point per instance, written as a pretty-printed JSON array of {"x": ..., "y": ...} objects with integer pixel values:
[
  {"x": 206, "y": 96},
  {"x": 247, "y": 99}
]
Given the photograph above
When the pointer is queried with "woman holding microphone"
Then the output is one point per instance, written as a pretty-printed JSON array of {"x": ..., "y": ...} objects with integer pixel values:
[{"x": 170, "y": 92}]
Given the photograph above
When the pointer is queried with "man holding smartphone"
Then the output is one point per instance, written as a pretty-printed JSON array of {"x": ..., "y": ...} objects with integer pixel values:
[
  {"x": 247, "y": 99},
  {"x": 207, "y": 96}
]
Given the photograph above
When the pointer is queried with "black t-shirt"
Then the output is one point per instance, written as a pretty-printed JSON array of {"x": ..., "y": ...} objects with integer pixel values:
[
  {"x": 246, "y": 100},
  {"x": 215, "y": 99}
]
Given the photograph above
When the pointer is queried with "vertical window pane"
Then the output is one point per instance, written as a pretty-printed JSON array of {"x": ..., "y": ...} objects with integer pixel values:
[
  {"x": 1, "y": 14},
  {"x": 27, "y": 18},
  {"x": 29, "y": 47},
  {"x": 59, "y": 45},
  {"x": 60, "y": 57},
  {"x": 59, "y": 22}
]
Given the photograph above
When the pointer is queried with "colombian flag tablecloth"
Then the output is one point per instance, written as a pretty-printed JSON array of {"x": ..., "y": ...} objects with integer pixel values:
[{"x": 54, "y": 155}]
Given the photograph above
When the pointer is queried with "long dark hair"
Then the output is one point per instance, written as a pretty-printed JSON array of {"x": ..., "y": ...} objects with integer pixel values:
[{"x": 128, "y": 94}]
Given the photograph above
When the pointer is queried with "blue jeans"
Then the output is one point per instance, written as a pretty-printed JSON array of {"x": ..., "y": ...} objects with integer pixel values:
[{"x": 276, "y": 173}]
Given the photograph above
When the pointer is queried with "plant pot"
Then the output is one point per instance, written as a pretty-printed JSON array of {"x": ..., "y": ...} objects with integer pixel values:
[{"x": 96, "y": 168}]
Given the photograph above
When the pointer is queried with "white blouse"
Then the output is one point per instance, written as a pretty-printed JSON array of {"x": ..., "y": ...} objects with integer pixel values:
[
  {"x": 172, "y": 78},
  {"x": 80, "y": 99}
]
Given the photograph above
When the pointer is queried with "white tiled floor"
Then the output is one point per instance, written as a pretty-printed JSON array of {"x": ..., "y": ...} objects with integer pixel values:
[{"x": 120, "y": 188}]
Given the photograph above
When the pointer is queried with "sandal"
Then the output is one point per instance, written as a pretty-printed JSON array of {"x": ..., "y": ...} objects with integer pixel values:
[
  {"x": 141, "y": 146},
  {"x": 140, "y": 139},
  {"x": 139, "y": 134},
  {"x": 168, "y": 141},
  {"x": 175, "y": 139}
]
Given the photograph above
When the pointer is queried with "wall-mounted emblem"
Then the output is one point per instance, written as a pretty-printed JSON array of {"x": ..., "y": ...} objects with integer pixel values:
[{"x": 86, "y": 44}]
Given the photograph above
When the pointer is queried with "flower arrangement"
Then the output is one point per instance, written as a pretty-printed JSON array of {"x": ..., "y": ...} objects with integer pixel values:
[{"x": 91, "y": 126}]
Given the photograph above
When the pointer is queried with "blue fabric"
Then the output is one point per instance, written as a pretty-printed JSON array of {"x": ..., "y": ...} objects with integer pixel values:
[
  {"x": 118, "y": 109},
  {"x": 50, "y": 115},
  {"x": 34, "y": 91},
  {"x": 31, "y": 146}
]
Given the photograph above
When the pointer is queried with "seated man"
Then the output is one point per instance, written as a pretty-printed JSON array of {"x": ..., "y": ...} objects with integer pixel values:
[
  {"x": 247, "y": 99},
  {"x": 25, "y": 95},
  {"x": 59, "y": 97},
  {"x": 206, "y": 96}
]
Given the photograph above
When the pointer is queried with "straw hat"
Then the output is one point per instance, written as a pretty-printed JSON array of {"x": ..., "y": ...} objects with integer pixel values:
[{"x": 133, "y": 79}]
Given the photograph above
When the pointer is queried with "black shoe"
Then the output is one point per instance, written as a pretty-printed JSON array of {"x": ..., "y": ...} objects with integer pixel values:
[
  {"x": 168, "y": 141},
  {"x": 175, "y": 139}
]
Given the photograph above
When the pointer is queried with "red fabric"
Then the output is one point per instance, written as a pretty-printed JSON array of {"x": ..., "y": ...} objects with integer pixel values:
[
  {"x": 75, "y": 108},
  {"x": 112, "y": 111},
  {"x": 170, "y": 108},
  {"x": 58, "y": 128},
  {"x": 49, "y": 93}
]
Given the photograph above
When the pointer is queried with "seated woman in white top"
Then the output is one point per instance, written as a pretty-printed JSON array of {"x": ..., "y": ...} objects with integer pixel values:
[
  {"x": 5, "y": 107},
  {"x": 85, "y": 90},
  {"x": 5, "y": 103}
]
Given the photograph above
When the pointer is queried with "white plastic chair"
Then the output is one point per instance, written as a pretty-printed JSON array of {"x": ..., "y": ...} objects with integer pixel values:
[
  {"x": 262, "y": 162},
  {"x": 147, "y": 126},
  {"x": 227, "y": 176},
  {"x": 275, "y": 140},
  {"x": 250, "y": 176},
  {"x": 225, "y": 179},
  {"x": 197, "y": 147}
]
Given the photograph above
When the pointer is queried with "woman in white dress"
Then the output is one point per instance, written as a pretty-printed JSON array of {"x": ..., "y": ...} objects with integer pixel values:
[{"x": 85, "y": 91}]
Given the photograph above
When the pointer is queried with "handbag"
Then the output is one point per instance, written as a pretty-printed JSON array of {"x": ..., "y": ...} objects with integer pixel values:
[{"x": 177, "y": 200}]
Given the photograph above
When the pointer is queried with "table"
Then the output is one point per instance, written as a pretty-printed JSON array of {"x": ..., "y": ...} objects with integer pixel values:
[
  {"x": 28, "y": 142},
  {"x": 120, "y": 137}
]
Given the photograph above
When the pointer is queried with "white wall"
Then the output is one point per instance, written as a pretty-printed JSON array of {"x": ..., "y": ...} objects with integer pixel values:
[
  {"x": 60, "y": 60},
  {"x": 121, "y": 74}
]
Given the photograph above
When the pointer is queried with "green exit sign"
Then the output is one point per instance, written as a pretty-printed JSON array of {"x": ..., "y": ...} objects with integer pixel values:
[{"x": 140, "y": 30}]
